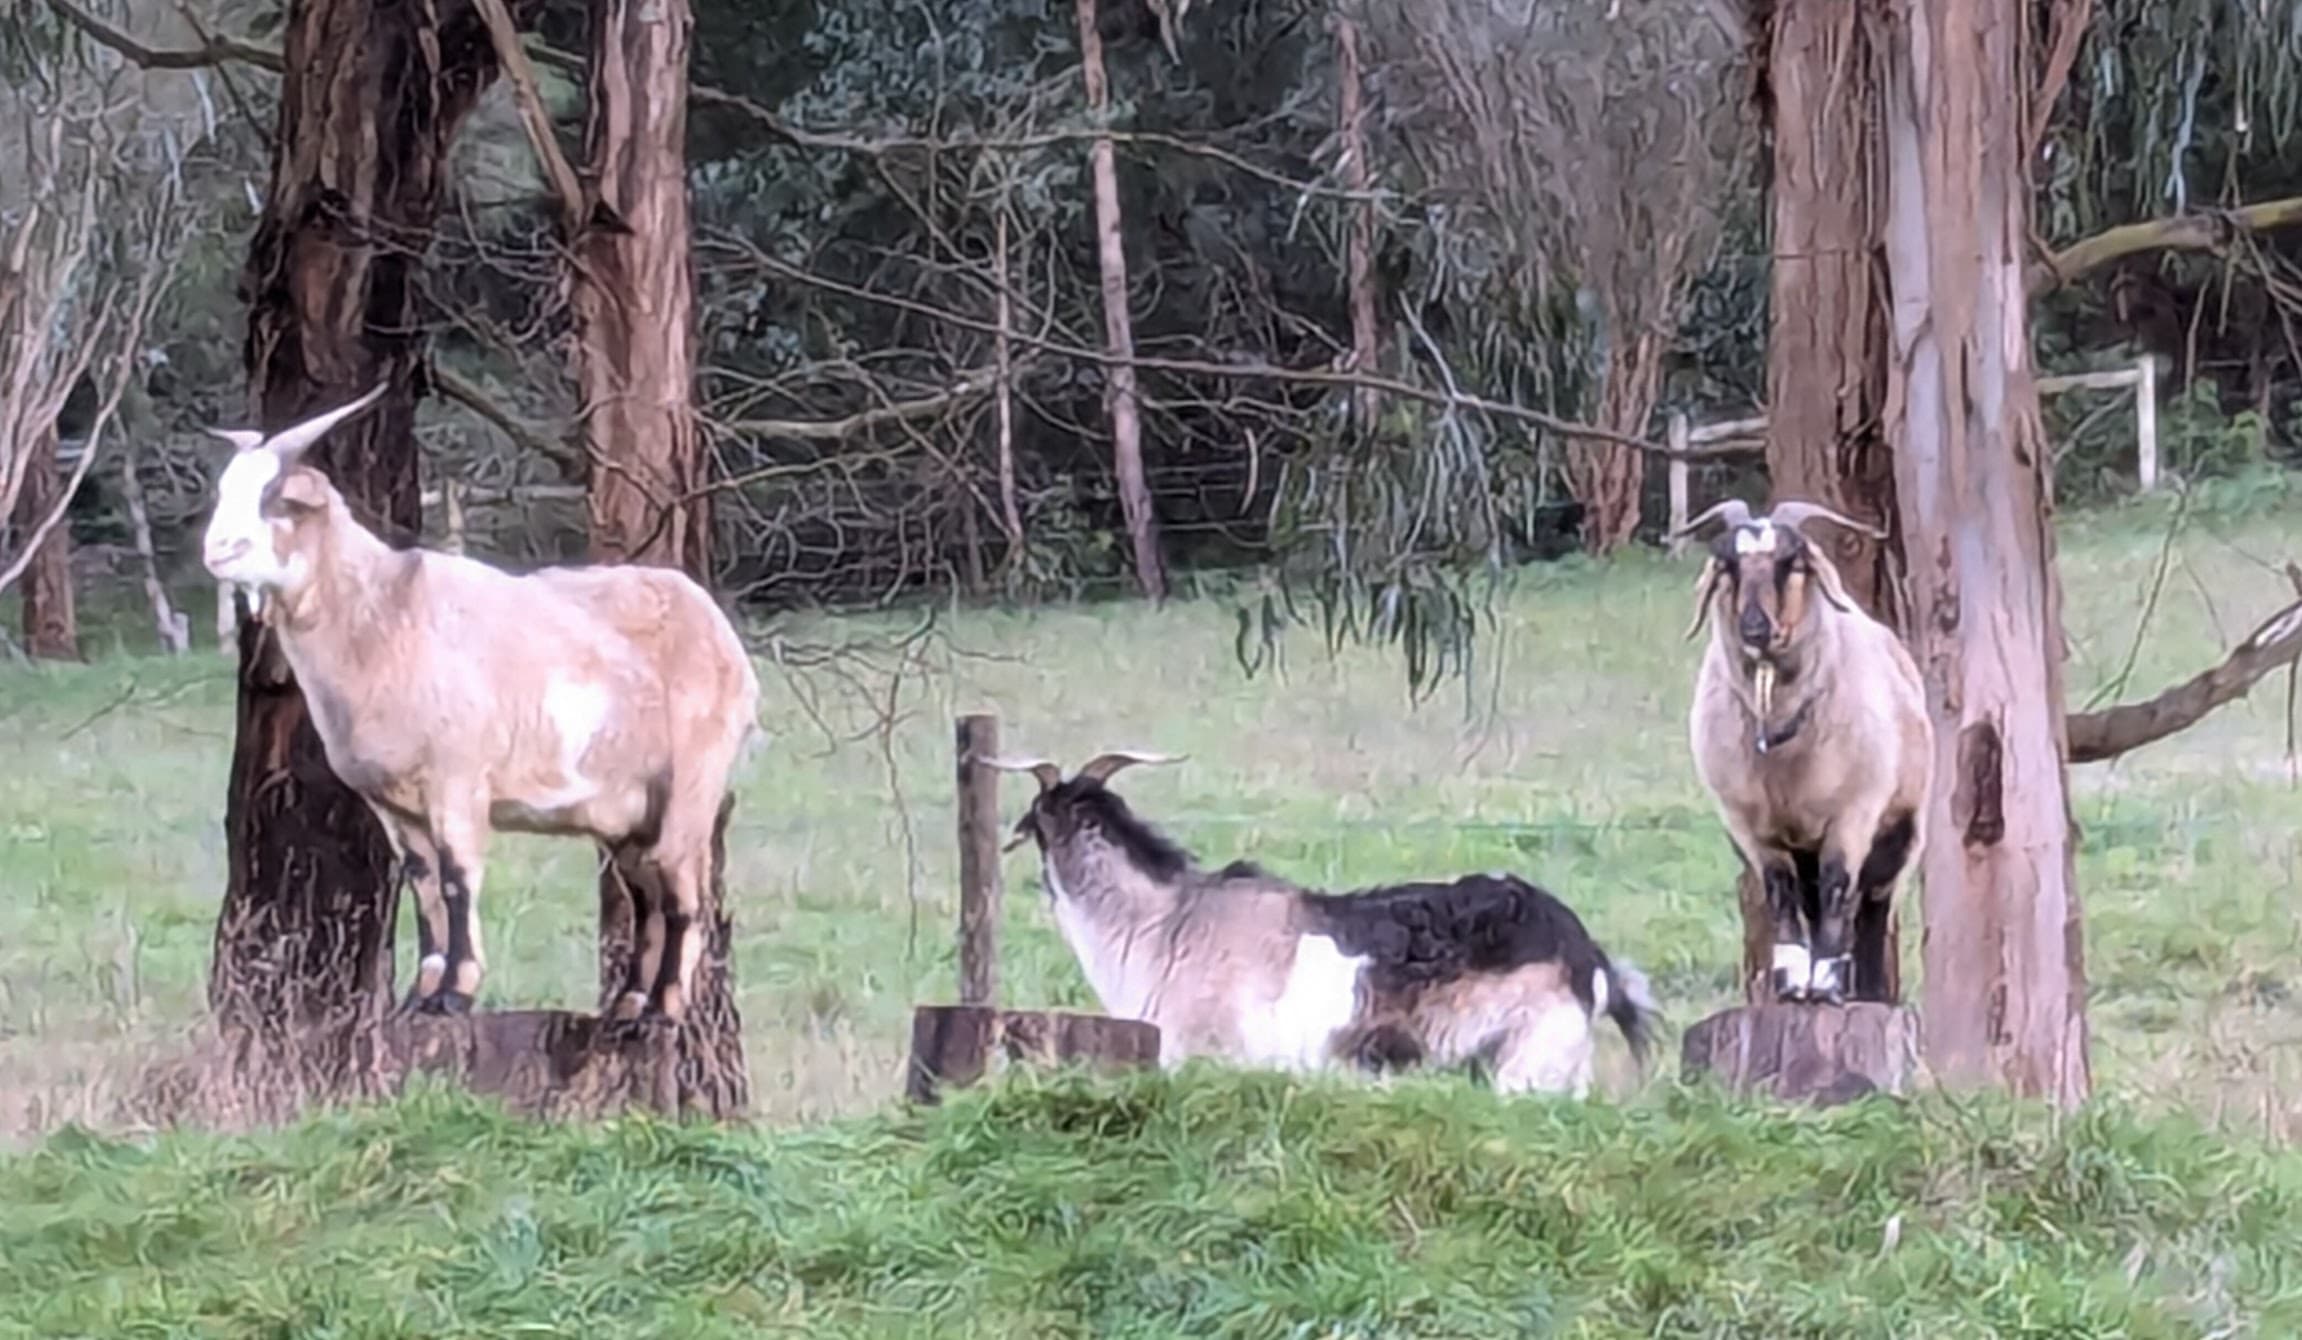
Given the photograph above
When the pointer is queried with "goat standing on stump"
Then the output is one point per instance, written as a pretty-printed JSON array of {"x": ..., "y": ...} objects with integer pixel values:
[
  {"x": 1240, "y": 965},
  {"x": 1809, "y": 727},
  {"x": 612, "y": 702}
]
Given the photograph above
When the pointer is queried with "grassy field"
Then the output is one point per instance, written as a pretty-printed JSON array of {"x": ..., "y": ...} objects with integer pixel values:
[
  {"x": 1205, "y": 1204},
  {"x": 1565, "y": 759},
  {"x": 1199, "y": 1205}
]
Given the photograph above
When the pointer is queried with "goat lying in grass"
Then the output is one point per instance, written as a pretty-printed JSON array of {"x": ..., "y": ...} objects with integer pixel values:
[
  {"x": 612, "y": 702},
  {"x": 1240, "y": 965},
  {"x": 1809, "y": 728}
]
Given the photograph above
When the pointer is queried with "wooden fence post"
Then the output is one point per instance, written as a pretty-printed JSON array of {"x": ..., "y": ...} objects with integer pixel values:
[
  {"x": 956, "y": 1045},
  {"x": 2146, "y": 421},
  {"x": 979, "y": 883},
  {"x": 1680, "y": 437}
]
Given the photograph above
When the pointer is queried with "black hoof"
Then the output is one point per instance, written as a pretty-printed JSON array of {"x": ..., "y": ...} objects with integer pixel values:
[
  {"x": 446, "y": 1002},
  {"x": 1786, "y": 990}
]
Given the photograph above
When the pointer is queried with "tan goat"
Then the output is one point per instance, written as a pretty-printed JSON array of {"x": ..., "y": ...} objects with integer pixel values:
[
  {"x": 1239, "y": 965},
  {"x": 609, "y": 702},
  {"x": 1809, "y": 727}
]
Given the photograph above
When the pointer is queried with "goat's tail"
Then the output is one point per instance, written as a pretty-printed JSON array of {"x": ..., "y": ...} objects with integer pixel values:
[{"x": 1630, "y": 1002}]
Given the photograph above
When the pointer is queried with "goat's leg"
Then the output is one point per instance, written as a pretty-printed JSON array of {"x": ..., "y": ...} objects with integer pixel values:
[
  {"x": 644, "y": 883},
  {"x": 1874, "y": 890},
  {"x": 415, "y": 866},
  {"x": 1793, "y": 957},
  {"x": 1833, "y": 932},
  {"x": 678, "y": 948},
  {"x": 1546, "y": 1050},
  {"x": 459, "y": 837}
]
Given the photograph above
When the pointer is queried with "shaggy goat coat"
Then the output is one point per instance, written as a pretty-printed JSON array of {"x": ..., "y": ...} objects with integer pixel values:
[{"x": 1240, "y": 965}]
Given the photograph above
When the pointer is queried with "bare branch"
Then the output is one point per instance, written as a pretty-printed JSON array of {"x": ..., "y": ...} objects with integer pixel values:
[
  {"x": 2207, "y": 230},
  {"x": 967, "y": 387},
  {"x": 467, "y": 393},
  {"x": 1245, "y": 367},
  {"x": 2096, "y": 736},
  {"x": 212, "y": 50},
  {"x": 533, "y": 114}
]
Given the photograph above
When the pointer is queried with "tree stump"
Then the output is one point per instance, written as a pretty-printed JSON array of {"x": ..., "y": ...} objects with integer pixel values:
[
  {"x": 542, "y": 1063},
  {"x": 1823, "y": 1054},
  {"x": 953, "y": 1046}
]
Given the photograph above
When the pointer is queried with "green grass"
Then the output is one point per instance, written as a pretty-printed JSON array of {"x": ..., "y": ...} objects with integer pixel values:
[
  {"x": 1564, "y": 758},
  {"x": 1201, "y": 1204}
]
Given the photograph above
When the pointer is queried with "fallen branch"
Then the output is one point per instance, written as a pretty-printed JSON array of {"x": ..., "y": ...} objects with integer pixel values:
[
  {"x": 2206, "y": 230},
  {"x": 2096, "y": 736}
]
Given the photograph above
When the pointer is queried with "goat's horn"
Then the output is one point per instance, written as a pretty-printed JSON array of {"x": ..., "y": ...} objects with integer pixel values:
[
  {"x": 1047, "y": 773},
  {"x": 1795, "y": 513},
  {"x": 242, "y": 439},
  {"x": 1102, "y": 766},
  {"x": 1734, "y": 511},
  {"x": 293, "y": 441}
]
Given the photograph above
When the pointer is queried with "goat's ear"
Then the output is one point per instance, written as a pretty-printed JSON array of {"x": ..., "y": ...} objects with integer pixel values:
[
  {"x": 301, "y": 491},
  {"x": 1826, "y": 576},
  {"x": 1705, "y": 587},
  {"x": 1100, "y": 767}
]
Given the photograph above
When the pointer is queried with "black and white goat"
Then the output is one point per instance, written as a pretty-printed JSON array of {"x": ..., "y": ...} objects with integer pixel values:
[{"x": 1239, "y": 965}]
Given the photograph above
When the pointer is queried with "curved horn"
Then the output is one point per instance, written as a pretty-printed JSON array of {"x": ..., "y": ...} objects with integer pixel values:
[
  {"x": 1795, "y": 514},
  {"x": 1100, "y": 767},
  {"x": 241, "y": 438},
  {"x": 1733, "y": 511},
  {"x": 1047, "y": 773},
  {"x": 293, "y": 441}
]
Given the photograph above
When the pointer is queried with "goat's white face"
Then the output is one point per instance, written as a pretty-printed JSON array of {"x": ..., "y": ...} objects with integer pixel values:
[
  {"x": 243, "y": 545},
  {"x": 261, "y": 497}
]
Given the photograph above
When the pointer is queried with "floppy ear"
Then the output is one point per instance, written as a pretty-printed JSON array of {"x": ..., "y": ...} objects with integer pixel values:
[
  {"x": 1826, "y": 576},
  {"x": 1706, "y": 586},
  {"x": 301, "y": 491}
]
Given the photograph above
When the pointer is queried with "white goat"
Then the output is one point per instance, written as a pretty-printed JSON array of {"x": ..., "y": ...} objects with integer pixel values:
[
  {"x": 1809, "y": 728},
  {"x": 1240, "y": 965},
  {"x": 455, "y": 698}
]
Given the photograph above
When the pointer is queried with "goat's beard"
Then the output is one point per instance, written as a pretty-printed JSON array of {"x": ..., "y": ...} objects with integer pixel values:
[{"x": 1762, "y": 679}]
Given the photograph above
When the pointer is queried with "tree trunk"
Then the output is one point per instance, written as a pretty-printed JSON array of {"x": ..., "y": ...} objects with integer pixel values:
[
  {"x": 1366, "y": 346},
  {"x": 1119, "y": 395},
  {"x": 1609, "y": 479},
  {"x": 1826, "y": 339},
  {"x": 1827, "y": 336},
  {"x": 51, "y": 626},
  {"x": 2005, "y": 972},
  {"x": 633, "y": 298},
  {"x": 370, "y": 99}
]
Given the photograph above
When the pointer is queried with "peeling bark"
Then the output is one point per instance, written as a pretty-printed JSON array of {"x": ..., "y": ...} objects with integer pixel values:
[
  {"x": 51, "y": 621},
  {"x": 1827, "y": 338},
  {"x": 633, "y": 295},
  {"x": 2005, "y": 972}
]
